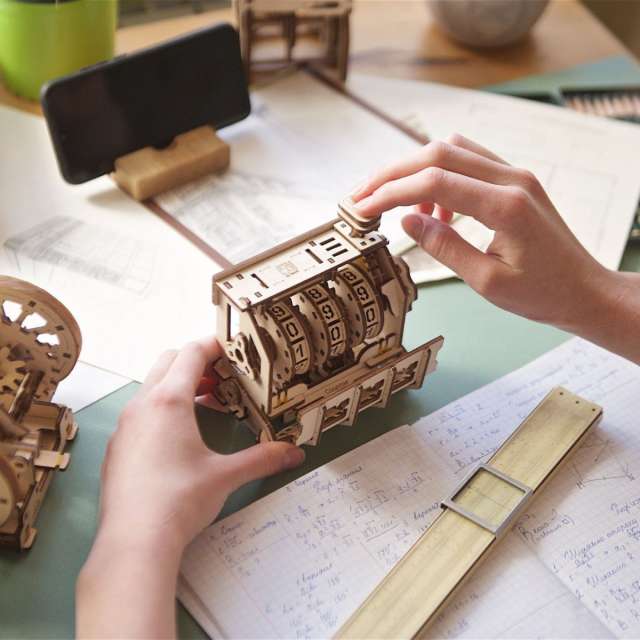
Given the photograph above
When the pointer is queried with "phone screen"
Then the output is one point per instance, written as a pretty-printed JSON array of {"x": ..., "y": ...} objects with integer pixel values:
[{"x": 145, "y": 99}]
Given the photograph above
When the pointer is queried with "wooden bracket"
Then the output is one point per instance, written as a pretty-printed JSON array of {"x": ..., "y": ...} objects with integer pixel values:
[{"x": 148, "y": 172}]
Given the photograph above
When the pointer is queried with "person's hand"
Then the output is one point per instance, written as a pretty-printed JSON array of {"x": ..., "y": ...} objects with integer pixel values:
[
  {"x": 534, "y": 267},
  {"x": 158, "y": 473},
  {"x": 160, "y": 487}
]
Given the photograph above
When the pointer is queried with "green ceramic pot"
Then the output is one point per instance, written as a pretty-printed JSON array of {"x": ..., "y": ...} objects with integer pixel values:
[{"x": 44, "y": 39}]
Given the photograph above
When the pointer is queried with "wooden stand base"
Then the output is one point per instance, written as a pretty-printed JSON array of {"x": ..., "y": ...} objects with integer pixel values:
[{"x": 147, "y": 172}]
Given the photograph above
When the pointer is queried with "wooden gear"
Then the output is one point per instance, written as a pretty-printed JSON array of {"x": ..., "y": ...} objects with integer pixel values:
[
  {"x": 328, "y": 18},
  {"x": 39, "y": 345},
  {"x": 312, "y": 331},
  {"x": 473, "y": 520}
]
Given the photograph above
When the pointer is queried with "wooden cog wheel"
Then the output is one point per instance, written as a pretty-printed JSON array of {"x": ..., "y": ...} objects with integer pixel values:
[
  {"x": 37, "y": 333},
  {"x": 12, "y": 371},
  {"x": 8, "y": 490}
]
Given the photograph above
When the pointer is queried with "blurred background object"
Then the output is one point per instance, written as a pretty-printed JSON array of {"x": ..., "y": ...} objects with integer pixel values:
[
  {"x": 325, "y": 21},
  {"x": 134, "y": 12},
  {"x": 620, "y": 16},
  {"x": 486, "y": 23},
  {"x": 44, "y": 39}
]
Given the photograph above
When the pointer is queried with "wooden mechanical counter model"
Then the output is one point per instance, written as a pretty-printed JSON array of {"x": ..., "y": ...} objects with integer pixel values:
[
  {"x": 312, "y": 331},
  {"x": 39, "y": 345}
]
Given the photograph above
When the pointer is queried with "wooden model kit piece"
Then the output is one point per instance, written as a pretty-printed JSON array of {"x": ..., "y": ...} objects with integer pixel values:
[
  {"x": 312, "y": 331},
  {"x": 329, "y": 18},
  {"x": 148, "y": 172},
  {"x": 39, "y": 345},
  {"x": 483, "y": 508}
]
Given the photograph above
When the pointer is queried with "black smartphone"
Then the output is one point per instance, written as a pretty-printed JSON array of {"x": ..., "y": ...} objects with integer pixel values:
[{"x": 144, "y": 99}]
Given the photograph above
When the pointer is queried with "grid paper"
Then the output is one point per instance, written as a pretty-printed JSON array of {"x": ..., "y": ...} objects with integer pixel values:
[{"x": 298, "y": 562}]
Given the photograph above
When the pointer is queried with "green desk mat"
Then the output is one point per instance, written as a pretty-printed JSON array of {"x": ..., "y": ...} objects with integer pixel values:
[{"x": 482, "y": 343}]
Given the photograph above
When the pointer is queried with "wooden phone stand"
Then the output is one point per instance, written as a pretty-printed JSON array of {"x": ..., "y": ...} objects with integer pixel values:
[{"x": 147, "y": 172}]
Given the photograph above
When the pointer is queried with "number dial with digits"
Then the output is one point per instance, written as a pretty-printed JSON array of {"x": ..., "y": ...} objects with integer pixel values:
[
  {"x": 363, "y": 306},
  {"x": 293, "y": 354},
  {"x": 326, "y": 320}
]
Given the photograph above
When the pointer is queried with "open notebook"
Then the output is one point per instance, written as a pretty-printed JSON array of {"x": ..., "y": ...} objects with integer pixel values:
[{"x": 296, "y": 563}]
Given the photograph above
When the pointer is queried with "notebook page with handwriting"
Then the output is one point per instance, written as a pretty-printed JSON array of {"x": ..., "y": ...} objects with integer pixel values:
[{"x": 297, "y": 563}]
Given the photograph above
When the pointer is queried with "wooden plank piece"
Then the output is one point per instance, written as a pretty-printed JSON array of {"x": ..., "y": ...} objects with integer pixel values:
[
  {"x": 418, "y": 587},
  {"x": 147, "y": 172}
]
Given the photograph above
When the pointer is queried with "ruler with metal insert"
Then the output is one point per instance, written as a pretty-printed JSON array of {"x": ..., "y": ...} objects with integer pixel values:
[{"x": 473, "y": 520}]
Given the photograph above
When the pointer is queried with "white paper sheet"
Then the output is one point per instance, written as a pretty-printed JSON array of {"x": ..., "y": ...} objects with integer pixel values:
[
  {"x": 588, "y": 165},
  {"x": 87, "y": 384},
  {"x": 303, "y": 148},
  {"x": 134, "y": 285},
  {"x": 297, "y": 563}
]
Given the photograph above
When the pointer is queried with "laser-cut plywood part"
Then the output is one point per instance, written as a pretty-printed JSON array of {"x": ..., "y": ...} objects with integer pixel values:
[
  {"x": 39, "y": 345},
  {"x": 312, "y": 331},
  {"x": 324, "y": 20},
  {"x": 148, "y": 172}
]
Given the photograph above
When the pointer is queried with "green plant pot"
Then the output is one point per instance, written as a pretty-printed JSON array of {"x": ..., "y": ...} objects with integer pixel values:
[{"x": 44, "y": 39}]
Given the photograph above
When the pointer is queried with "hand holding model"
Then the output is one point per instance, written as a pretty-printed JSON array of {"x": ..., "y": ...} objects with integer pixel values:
[
  {"x": 160, "y": 487},
  {"x": 534, "y": 267}
]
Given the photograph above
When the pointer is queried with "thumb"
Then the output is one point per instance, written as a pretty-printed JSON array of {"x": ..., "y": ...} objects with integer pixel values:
[
  {"x": 259, "y": 461},
  {"x": 444, "y": 244}
]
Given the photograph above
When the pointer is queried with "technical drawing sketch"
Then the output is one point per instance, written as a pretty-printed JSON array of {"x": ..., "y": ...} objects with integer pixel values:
[
  {"x": 586, "y": 164},
  {"x": 128, "y": 278},
  {"x": 596, "y": 461},
  {"x": 69, "y": 243},
  {"x": 291, "y": 161},
  {"x": 241, "y": 215}
]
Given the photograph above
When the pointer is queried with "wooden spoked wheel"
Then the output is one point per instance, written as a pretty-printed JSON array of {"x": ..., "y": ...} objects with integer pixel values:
[
  {"x": 8, "y": 490},
  {"x": 37, "y": 333}
]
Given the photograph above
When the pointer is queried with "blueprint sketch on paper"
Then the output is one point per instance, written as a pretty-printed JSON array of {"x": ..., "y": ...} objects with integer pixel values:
[
  {"x": 292, "y": 160},
  {"x": 242, "y": 215},
  {"x": 586, "y": 164},
  {"x": 69, "y": 243},
  {"x": 134, "y": 285}
]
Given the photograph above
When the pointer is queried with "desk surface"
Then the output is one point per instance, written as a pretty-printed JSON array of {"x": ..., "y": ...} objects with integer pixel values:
[
  {"x": 481, "y": 344},
  {"x": 395, "y": 38},
  {"x": 400, "y": 39}
]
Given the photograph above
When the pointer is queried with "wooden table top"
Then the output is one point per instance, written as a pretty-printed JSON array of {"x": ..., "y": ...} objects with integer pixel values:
[{"x": 399, "y": 38}]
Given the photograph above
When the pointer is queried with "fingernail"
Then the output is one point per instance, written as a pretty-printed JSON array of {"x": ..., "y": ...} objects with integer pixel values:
[
  {"x": 293, "y": 457},
  {"x": 359, "y": 190},
  {"x": 362, "y": 204},
  {"x": 413, "y": 226}
]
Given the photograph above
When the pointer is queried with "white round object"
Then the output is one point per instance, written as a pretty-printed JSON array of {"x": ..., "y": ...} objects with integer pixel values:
[{"x": 486, "y": 23}]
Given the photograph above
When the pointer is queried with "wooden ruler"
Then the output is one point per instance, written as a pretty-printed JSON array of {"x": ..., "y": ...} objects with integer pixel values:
[{"x": 473, "y": 519}]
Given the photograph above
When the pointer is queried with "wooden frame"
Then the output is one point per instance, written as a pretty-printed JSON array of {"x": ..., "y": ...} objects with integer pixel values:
[{"x": 329, "y": 19}]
